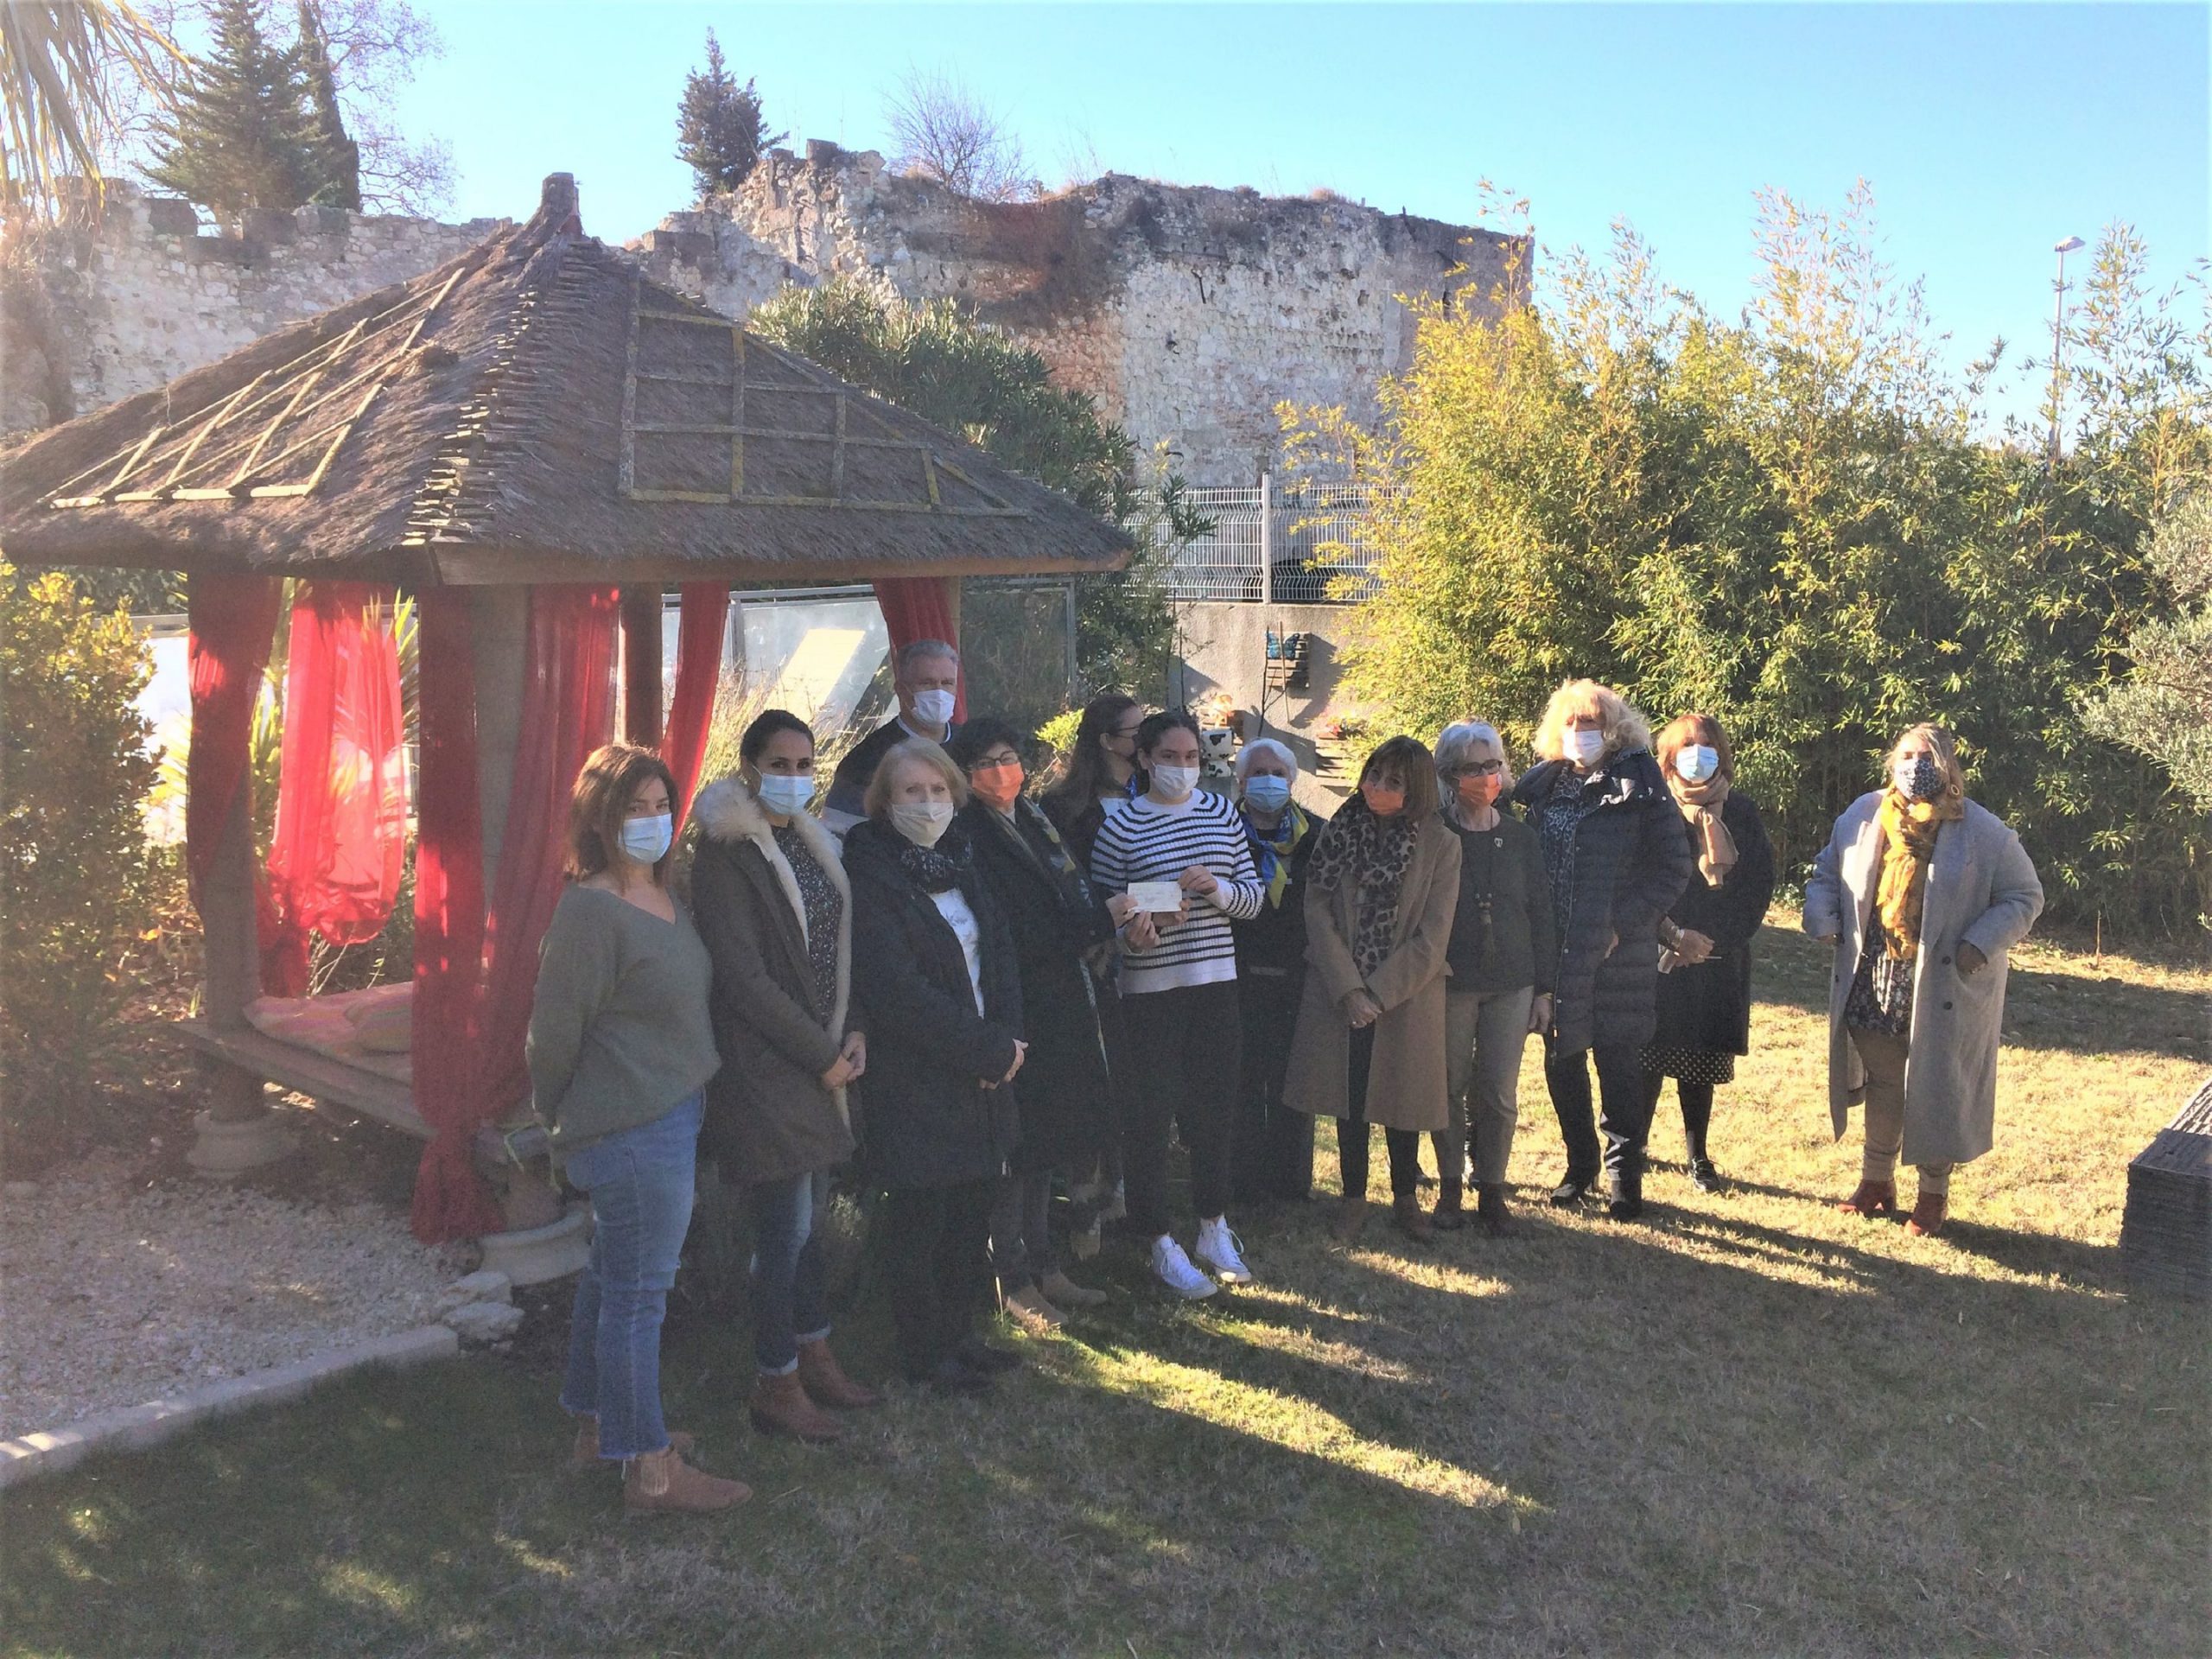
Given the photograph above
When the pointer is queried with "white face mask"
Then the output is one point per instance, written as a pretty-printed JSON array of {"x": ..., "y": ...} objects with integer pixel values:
[
  {"x": 784, "y": 793},
  {"x": 1696, "y": 762},
  {"x": 923, "y": 822},
  {"x": 933, "y": 707},
  {"x": 1174, "y": 783},
  {"x": 646, "y": 840},
  {"x": 1585, "y": 747}
]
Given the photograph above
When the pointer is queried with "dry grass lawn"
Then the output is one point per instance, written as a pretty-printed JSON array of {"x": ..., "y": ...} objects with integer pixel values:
[{"x": 1745, "y": 1424}]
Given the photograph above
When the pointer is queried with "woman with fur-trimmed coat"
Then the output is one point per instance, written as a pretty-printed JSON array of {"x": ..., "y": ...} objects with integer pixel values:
[{"x": 776, "y": 911}]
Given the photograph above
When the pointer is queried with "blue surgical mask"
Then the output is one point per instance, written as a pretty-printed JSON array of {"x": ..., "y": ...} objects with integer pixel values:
[
  {"x": 646, "y": 840},
  {"x": 1696, "y": 762},
  {"x": 1266, "y": 792},
  {"x": 785, "y": 793}
]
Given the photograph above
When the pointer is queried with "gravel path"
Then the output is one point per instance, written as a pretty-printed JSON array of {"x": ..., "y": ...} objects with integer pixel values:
[{"x": 113, "y": 1293}]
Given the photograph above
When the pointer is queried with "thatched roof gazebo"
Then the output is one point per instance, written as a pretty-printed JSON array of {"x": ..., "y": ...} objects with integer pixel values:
[{"x": 513, "y": 439}]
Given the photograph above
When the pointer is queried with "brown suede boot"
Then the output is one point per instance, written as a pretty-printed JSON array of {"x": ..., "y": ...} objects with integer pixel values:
[
  {"x": 825, "y": 1381},
  {"x": 780, "y": 1405},
  {"x": 663, "y": 1482},
  {"x": 1448, "y": 1217},
  {"x": 1028, "y": 1308},
  {"x": 1489, "y": 1208},
  {"x": 1872, "y": 1200},
  {"x": 1351, "y": 1217},
  {"x": 1406, "y": 1216},
  {"x": 1929, "y": 1211},
  {"x": 587, "y": 1448}
]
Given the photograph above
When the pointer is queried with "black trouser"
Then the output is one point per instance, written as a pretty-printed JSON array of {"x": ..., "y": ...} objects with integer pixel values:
[
  {"x": 1697, "y": 1108},
  {"x": 1352, "y": 1137},
  {"x": 1273, "y": 1141},
  {"x": 1626, "y": 1115},
  {"x": 938, "y": 1266},
  {"x": 1186, "y": 1048}
]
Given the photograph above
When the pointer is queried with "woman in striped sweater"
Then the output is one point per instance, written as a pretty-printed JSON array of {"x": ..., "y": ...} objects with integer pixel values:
[{"x": 1179, "y": 993}]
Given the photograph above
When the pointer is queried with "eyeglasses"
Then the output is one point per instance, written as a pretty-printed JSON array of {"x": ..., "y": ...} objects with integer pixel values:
[{"x": 1476, "y": 769}]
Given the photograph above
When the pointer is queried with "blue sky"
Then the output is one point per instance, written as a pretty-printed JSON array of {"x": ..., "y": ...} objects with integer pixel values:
[{"x": 1987, "y": 131}]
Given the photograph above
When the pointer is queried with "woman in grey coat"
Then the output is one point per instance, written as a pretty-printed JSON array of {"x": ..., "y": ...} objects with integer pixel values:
[{"x": 1922, "y": 892}]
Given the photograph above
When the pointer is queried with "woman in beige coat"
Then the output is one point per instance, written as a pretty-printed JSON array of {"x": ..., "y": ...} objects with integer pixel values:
[
  {"x": 1380, "y": 896},
  {"x": 1922, "y": 892}
]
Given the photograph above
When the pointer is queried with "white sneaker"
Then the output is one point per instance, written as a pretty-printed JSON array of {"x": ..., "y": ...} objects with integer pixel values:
[
  {"x": 1176, "y": 1272},
  {"x": 1218, "y": 1249}
]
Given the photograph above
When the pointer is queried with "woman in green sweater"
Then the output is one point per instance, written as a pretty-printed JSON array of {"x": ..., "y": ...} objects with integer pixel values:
[{"x": 620, "y": 1046}]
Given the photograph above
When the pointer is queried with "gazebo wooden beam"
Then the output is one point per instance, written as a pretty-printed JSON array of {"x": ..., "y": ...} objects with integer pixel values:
[{"x": 641, "y": 663}]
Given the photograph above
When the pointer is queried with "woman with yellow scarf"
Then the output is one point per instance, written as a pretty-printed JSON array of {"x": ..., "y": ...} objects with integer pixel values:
[{"x": 1922, "y": 892}]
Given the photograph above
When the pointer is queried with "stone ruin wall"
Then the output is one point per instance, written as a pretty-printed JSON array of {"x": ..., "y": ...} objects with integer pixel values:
[
  {"x": 1190, "y": 314},
  {"x": 97, "y": 315}
]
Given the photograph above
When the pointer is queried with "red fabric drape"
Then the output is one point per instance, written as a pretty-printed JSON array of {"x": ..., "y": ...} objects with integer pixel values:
[
  {"x": 568, "y": 711},
  {"x": 342, "y": 809},
  {"x": 920, "y": 608},
  {"x": 700, "y": 628},
  {"x": 450, "y": 1202},
  {"x": 234, "y": 623}
]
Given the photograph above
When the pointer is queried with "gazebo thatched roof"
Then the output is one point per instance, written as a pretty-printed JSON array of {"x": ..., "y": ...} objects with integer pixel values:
[{"x": 535, "y": 411}]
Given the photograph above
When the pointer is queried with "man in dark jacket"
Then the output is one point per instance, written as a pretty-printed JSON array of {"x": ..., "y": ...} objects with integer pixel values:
[
  {"x": 926, "y": 677},
  {"x": 1617, "y": 855}
]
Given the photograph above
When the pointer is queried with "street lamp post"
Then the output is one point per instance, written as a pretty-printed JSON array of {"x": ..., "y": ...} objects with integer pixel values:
[{"x": 2058, "y": 337}]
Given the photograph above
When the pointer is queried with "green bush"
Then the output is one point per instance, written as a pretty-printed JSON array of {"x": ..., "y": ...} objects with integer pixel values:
[{"x": 76, "y": 879}]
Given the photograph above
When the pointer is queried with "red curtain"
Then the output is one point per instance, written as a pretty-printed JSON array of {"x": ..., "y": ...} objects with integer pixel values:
[
  {"x": 341, "y": 808},
  {"x": 568, "y": 711},
  {"x": 700, "y": 628},
  {"x": 450, "y": 1202},
  {"x": 921, "y": 607},
  {"x": 234, "y": 623}
]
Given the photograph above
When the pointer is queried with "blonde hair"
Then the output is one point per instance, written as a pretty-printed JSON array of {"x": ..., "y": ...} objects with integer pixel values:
[
  {"x": 1625, "y": 729},
  {"x": 877, "y": 802},
  {"x": 1945, "y": 742}
]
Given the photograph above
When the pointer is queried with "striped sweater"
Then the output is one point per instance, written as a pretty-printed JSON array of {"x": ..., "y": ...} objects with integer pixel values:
[{"x": 1142, "y": 841}]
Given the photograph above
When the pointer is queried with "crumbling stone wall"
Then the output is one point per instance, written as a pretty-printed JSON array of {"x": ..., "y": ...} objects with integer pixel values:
[
  {"x": 92, "y": 315},
  {"x": 1188, "y": 313}
]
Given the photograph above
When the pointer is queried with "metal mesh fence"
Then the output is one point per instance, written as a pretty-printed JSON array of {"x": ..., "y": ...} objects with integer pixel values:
[{"x": 1310, "y": 544}]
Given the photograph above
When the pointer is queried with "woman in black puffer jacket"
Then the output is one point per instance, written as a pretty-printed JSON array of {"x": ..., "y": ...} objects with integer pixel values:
[
  {"x": 1617, "y": 855},
  {"x": 934, "y": 970}
]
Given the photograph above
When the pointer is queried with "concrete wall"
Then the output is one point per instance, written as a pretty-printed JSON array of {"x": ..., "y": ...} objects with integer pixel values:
[{"x": 1224, "y": 649}]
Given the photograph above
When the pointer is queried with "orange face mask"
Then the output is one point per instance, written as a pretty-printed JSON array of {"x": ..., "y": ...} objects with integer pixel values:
[
  {"x": 1479, "y": 790},
  {"x": 1384, "y": 800},
  {"x": 1000, "y": 786}
]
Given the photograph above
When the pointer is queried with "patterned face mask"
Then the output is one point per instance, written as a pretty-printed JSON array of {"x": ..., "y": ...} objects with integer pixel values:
[{"x": 1918, "y": 779}]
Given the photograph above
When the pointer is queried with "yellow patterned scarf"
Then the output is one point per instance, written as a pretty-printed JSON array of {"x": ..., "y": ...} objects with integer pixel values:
[{"x": 1908, "y": 830}]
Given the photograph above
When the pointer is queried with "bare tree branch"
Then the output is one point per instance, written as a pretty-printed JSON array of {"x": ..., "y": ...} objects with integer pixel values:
[{"x": 944, "y": 131}]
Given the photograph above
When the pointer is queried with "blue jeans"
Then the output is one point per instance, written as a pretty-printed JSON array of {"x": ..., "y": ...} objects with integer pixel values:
[
  {"x": 640, "y": 1185},
  {"x": 790, "y": 1290}
]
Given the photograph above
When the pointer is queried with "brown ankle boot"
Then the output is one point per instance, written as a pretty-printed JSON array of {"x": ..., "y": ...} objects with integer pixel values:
[
  {"x": 1448, "y": 1217},
  {"x": 1489, "y": 1206},
  {"x": 1351, "y": 1217},
  {"x": 1872, "y": 1200},
  {"x": 825, "y": 1381},
  {"x": 1406, "y": 1216},
  {"x": 662, "y": 1481},
  {"x": 1929, "y": 1211},
  {"x": 587, "y": 1447},
  {"x": 780, "y": 1405}
]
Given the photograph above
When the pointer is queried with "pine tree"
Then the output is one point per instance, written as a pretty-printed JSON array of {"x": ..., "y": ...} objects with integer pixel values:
[
  {"x": 719, "y": 130},
  {"x": 335, "y": 158},
  {"x": 239, "y": 137}
]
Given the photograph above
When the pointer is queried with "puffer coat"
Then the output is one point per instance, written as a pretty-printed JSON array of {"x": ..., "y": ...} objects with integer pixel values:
[{"x": 1628, "y": 861}]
